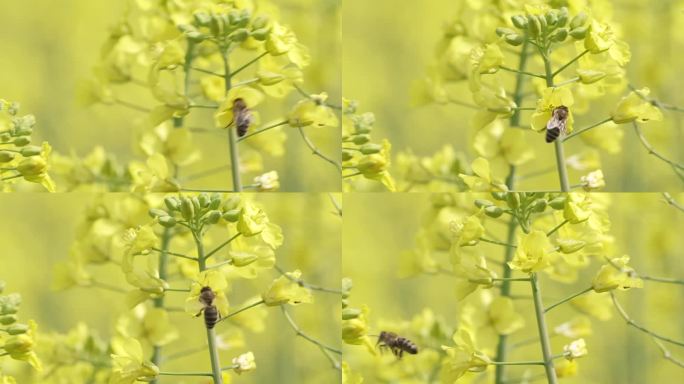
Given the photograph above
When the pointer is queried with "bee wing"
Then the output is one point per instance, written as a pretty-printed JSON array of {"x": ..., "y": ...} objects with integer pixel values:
[{"x": 553, "y": 123}]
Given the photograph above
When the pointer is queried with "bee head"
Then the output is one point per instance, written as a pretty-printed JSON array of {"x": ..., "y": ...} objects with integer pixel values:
[
  {"x": 207, "y": 295},
  {"x": 561, "y": 111},
  {"x": 239, "y": 103}
]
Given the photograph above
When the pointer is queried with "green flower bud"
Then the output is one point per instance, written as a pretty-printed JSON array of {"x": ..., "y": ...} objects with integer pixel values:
[
  {"x": 167, "y": 221},
  {"x": 195, "y": 203},
  {"x": 9, "y": 304},
  {"x": 260, "y": 22},
  {"x": 482, "y": 203},
  {"x": 154, "y": 212},
  {"x": 6, "y": 156},
  {"x": 361, "y": 139},
  {"x": 212, "y": 217},
  {"x": 215, "y": 201},
  {"x": 350, "y": 313},
  {"x": 22, "y": 141},
  {"x": 202, "y": 19},
  {"x": 232, "y": 216},
  {"x": 542, "y": 23},
  {"x": 578, "y": 20},
  {"x": 32, "y": 166},
  {"x": 570, "y": 245},
  {"x": 195, "y": 36},
  {"x": 538, "y": 206},
  {"x": 23, "y": 130},
  {"x": 551, "y": 18},
  {"x": 260, "y": 34},
  {"x": 520, "y": 21},
  {"x": 5, "y": 137},
  {"x": 172, "y": 203},
  {"x": 231, "y": 203},
  {"x": 514, "y": 39},
  {"x": 13, "y": 108},
  {"x": 493, "y": 211},
  {"x": 562, "y": 17},
  {"x": 370, "y": 148},
  {"x": 17, "y": 329},
  {"x": 241, "y": 259},
  {"x": 501, "y": 196},
  {"x": 186, "y": 208},
  {"x": 513, "y": 199},
  {"x": 559, "y": 35},
  {"x": 245, "y": 16},
  {"x": 239, "y": 35},
  {"x": 19, "y": 345},
  {"x": 347, "y": 155},
  {"x": 590, "y": 76},
  {"x": 347, "y": 285},
  {"x": 233, "y": 17},
  {"x": 30, "y": 150},
  {"x": 204, "y": 200},
  {"x": 578, "y": 33},
  {"x": 504, "y": 31},
  {"x": 558, "y": 202},
  {"x": 8, "y": 319}
]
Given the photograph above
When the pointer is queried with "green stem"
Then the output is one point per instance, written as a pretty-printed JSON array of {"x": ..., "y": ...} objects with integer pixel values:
[
  {"x": 671, "y": 201},
  {"x": 278, "y": 124},
  {"x": 552, "y": 306},
  {"x": 652, "y": 151},
  {"x": 241, "y": 310},
  {"x": 211, "y": 334},
  {"x": 557, "y": 227},
  {"x": 232, "y": 135},
  {"x": 534, "y": 362},
  {"x": 316, "y": 151},
  {"x": 581, "y": 131},
  {"x": 220, "y": 246},
  {"x": 304, "y": 284},
  {"x": 559, "y": 70},
  {"x": 185, "y": 374},
  {"x": 502, "y": 347},
  {"x": 522, "y": 72},
  {"x": 299, "y": 332},
  {"x": 634, "y": 324},
  {"x": 187, "y": 67},
  {"x": 543, "y": 333},
  {"x": 240, "y": 69},
  {"x": 560, "y": 156},
  {"x": 497, "y": 243},
  {"x": 159, "y": 301},
  {"x": 665, "y": 280}
]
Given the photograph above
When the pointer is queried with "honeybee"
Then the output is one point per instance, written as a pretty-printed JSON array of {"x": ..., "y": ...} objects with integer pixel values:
[
  {"x": 211, "y": 313},
  {"x": 242, "y": 116},
  {"x": 397, "y": 344},
  {"x": 556, "y": 125}
]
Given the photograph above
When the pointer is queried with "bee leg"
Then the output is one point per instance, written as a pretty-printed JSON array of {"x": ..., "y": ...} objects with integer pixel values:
[
  {"x": 231, "y": 123},
  {"x": 199, "y": 313}
]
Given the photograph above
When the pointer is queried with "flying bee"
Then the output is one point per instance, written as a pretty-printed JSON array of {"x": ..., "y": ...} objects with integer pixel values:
[
  {"x": 242, "y": 116},
  {"x": 397, "y": 344},
  {"x": 556, "y": 125},
  {"x": 211, "y": 313}
]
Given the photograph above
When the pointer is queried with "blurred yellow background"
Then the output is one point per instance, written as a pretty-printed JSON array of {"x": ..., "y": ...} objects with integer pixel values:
[
  {"x": 388, "y": 46},
  {"x": 38, "y": 230},
  {"x": 50, "y": 46},
  {"x": 379, "y": 228}
]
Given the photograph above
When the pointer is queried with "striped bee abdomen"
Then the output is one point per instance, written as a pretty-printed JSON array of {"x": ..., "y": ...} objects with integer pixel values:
[
  {"x": 211, "y": 316},
  {"x": 406, "y": 345},
  {"x": 552, "y": 134}
]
